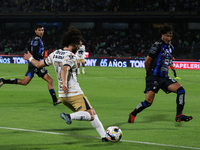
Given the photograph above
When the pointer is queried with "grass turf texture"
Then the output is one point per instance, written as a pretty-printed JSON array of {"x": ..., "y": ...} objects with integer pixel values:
[{"x": 114, "y": 93}]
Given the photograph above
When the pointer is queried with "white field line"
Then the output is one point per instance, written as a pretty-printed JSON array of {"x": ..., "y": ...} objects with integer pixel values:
[
  {"x": 128, "y": 141},
  {"x": 12, "y": 76}
]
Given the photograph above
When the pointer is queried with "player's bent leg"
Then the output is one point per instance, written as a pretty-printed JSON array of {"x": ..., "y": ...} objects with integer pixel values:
[
  {"x": 174, "y": 87},
  {"x": 81, "y": 115},
  {"x": 141, "y": 106}
]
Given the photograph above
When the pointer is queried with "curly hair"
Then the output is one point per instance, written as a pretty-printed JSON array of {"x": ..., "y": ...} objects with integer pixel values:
[
  {"x": 166, "y": 28},
  {"x": 71, "y": 37}
]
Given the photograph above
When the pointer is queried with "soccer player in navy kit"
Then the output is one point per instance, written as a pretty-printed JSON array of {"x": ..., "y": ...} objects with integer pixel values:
[
  {"x": 37, "y": 50},
  {"x": 156, "y": 65}
]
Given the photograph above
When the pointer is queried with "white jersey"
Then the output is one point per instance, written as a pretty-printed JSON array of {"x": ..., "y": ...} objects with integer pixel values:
[
  {"x": 60, "y": 58},
  {"x": 80, "y": 54}
]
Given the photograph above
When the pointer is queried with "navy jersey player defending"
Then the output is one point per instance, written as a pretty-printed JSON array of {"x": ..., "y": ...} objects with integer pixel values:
[
  {"x": 37, "y": 50},
  {"x": 156, "y": 65}
]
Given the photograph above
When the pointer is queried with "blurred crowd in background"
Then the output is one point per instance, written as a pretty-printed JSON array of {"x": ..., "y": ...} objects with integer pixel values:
[
  {"x": 115, "y": 42},
  {"x": 98, "y": 5},
  {"x": 107, "y": 42}
]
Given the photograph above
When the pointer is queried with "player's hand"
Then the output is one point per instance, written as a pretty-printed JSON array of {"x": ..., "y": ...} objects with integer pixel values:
[
  {"x": 65, "y": 88},
  {"x": 27, "y": 55}
]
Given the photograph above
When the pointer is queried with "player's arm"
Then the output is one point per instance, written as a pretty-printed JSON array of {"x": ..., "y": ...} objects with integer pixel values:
[
  {"x": 147, "y": 62},
  {"x": 64, "y": 77},
  {"x": 36, "y": 63}
]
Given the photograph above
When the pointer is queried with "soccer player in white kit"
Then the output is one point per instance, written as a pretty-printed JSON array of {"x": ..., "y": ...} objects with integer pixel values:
[
  {"x": 80, "y": 54},
  {"x": 70, "y": 93}
]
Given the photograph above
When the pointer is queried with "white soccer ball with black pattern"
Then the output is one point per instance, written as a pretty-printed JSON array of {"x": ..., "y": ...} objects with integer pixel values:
[{"x": 113, "y": 134}]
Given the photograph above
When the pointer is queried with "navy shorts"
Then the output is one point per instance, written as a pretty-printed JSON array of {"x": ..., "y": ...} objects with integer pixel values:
[
  {"x": 33, "y": 70},
  {"x": 155, "y": 83}
]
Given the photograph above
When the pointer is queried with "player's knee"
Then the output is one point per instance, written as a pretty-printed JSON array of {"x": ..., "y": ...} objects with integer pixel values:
[
  {"x": 180, "y": 90},
  {"x": 92, "y": 113},
  {"x": 92, "y": 117}
]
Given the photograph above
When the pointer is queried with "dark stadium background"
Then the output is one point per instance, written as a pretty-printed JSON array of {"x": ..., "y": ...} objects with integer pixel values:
[{"x": 111, "y": 28}]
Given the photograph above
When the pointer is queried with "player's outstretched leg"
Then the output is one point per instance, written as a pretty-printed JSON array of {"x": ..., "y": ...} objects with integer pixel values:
[
  {"x": 96, "y": 123},
  {"x": 183, "y": 117}
]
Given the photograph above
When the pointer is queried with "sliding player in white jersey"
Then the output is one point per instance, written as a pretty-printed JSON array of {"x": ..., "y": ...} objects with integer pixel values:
[
  {"x": 70, "y": 93},
  {"x": 80, "y": 54}
]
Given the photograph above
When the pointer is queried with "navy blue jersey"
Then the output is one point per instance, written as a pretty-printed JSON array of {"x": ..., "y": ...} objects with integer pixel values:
[
  {"x": 37, "y": 48},
  {"x": 161, "y": 54}
]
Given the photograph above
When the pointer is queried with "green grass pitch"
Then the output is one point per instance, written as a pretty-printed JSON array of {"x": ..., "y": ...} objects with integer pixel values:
[{"x": 29, "y": 121}]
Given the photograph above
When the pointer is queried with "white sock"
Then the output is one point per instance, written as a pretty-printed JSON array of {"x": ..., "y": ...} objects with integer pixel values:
[
  {"x": 83, "y": 68},
  {"x": 78, "y": 69},
  {"x": 81, "y": 115},
  {"x": 96, "y": 123}
]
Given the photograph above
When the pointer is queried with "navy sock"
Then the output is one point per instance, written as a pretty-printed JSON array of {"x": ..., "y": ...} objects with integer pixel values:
[
  {"x": 180, "y": 100},
  {"x": 10, "y": 81},
  {"x": 140, "y": 107},
  {"x": 53, "y": 95}
]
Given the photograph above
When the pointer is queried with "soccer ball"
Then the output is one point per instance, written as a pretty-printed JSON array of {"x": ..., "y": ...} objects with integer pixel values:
[{"x": 113, "y": 134}]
